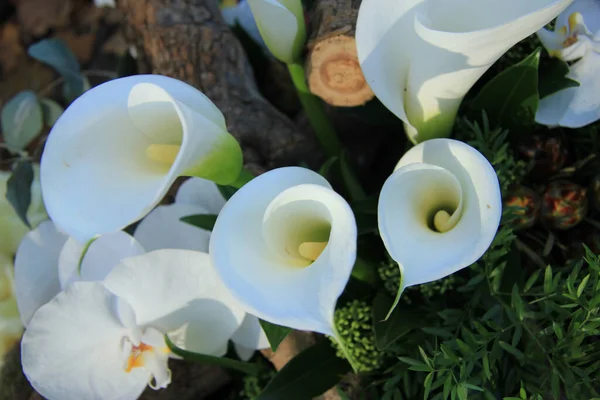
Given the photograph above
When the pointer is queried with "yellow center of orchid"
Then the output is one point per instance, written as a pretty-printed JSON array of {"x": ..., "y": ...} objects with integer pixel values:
[
  {"x": 136, "y": 358},
  {"x": 311, "y": 250},
  {"x": 163, "y": 153}
]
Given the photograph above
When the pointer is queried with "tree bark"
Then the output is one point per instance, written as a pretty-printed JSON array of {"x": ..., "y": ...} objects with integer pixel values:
[
  {"x": 188, "y": 40},
  {"x": 333, "y": 70}
]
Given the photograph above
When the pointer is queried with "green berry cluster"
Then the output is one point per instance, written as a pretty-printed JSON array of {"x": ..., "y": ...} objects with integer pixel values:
[
  {"x": 354, "y": 325},
  {"x": 254, "y": 384},
  {"x": 440, "y": 286}
]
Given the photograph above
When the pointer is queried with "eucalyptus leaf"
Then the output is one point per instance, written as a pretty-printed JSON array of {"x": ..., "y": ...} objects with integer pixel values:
[
  {"x": 203, "y": 221},
  {"x": 22, "y": 120},
  {"x": 511, "y": 98},
  {"x": 400, "y": 322},
  {"x": 552, "y": 77},
  {"x": 52, "y": 111},
  {"x": 18, "y": 189},
  {"x": 307, "y": 375},
  {"x": 275, "y": 333}
]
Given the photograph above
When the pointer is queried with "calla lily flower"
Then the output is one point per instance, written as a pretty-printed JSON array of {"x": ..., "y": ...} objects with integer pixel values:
[
  {"x": 421, "y": 57},
  {"x": 114, "y": 153},
  {"x": 106, "y": 340},
  {"x": 163, "y": 228},
  {"x": 12, "y": 229},
  {"x": 439, "y": 211},
  {"x": 285, "y": 245},
  {"x": 239, "y": 13},
  {"x": 281, "y": 25},
  {"x": 576, "y": 37}
]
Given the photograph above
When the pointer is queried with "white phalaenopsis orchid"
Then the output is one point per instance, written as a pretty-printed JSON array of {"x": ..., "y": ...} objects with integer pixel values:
[
  {"x": 163, "y": 228},
  {"x": 114, "y": 153},
  {"x": 281, "y": 25},
  {"x": 576, "y": 37},
  {"x": 421, "y": 57},
  {"x": 439, "y": 211},
  {"x": 287, "y": 231},
  {"x": 106, "y": 340}
]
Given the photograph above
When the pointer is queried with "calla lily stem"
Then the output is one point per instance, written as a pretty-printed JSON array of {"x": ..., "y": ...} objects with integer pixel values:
[
  {"x": 315, "y": 112},
  {"x": 347, "y": 354}
]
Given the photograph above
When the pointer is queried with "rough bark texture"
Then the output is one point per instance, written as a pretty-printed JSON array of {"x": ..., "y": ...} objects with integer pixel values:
[
  {"x": 188, "y": 40},
  {"x": 333, "y": 71}
]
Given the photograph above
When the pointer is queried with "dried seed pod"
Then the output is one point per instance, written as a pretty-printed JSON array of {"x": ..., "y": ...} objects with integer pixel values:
[
  {"x": 564, "y": 204},
  {"x": 547, "y": 154},
  {"x": 526, "y": 207}
]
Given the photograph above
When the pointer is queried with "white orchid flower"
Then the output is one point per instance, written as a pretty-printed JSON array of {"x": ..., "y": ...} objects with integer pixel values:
[
  {"x": 235, "y": 12},
  {"x": 106, "y": 340},
  {"x": 576, "y": 37},
  {"x": 285, "y": 245},
  {"x": 11, "y": 327},
  {"x": 114, "y": 153},
  {"x": 439, "y": 211},
  {"x": 421, "y": 57},
  {"x": 12, "y": 229},
  {"x": 281, "y": 25},
  {"x": 163, "y": 228}
]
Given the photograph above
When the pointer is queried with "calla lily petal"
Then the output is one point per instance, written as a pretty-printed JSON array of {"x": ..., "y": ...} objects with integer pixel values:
[
  {"x": 439, "y": 211},
  {"x": 183, "y": 291},
  {"x": 250, "y": 334},
  {"x": 152, "y": 129},
  {"x": 243, "y": 353},
  {"x": 200, "y": 192},
  {"x": 36, "y": 269},
  {"x": 72, "y": 349},
  {"x": 281, "y": 25},
  {"x": 102, "y": 255},
  {"x": 268, "y": 235},
  {"x": 241, "y": 14},
  {"x": 464, "y": 38}
]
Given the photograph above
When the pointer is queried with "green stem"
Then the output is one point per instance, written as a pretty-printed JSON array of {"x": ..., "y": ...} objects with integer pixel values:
[
  {"x": 244, "y": 177},
  {"x": 86, "y": 247},
  {"x": 344, "y": 349},
  {"x": 315, "y": 112}
]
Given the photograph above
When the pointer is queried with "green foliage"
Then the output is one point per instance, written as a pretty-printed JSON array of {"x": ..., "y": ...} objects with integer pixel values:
[
  {"x": 389, "y": 273},
  {"x": 553, "y": 78},
  {"x": 18, "y": 189},
  {"x": 22, "y": 120},
  {"x": 354, "y": 324},
  {"x": 275, "y": 333},
  {"x": 254, "y": 384}
]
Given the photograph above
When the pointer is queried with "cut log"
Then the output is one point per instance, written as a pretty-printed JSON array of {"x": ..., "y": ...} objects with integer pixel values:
[
  {"x": 188, "y": 40},
  {"x": 333, "y": 71}
]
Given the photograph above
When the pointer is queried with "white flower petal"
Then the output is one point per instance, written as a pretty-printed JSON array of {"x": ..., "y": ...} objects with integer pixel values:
[
  {"x": 589, "y": 9},
  {"x": 243, "y": 353},
  {"x": 201, "y": 192},
  {"x": 278, "y": 27},
  {"x": 465, "y": 40},
  {"x": 36, "y": 269},
  {"x": 255, "y": 245},
  {"x": 72, "y": 349},
  {"x": 97, "y": 174},
  {"x": 250, "y": 334},
  {"x": 424, "y": 182},
  {"x": 100, "y": 258},
  {"x": 170, "y": 289},
  {"x": 163, "y": 229}
]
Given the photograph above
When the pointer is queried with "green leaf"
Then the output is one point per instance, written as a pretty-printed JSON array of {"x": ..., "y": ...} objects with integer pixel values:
[
  {"x": 427, "y": 385},
  {"x": 511, "y": 98},
  {"x": 244, "y": 367},
  {"x": 512, "y": 350},
  {"x": 517, "y": 302},
  {"x": 227, "y": 191},
  {"x": 52, "y": 111},
  {"x": 275, "y": 333},
  {"x": 532, "y": 279},
  {"x": 18, "y": 189},
  {"x": 552, "y": 78},
  {"x": 203, "y": 221},
  {"x": 401, "y": 321},
  {"x": 22, "y": 120},
  {"x": 582, "y": 285},
  {"x": 548, "y": 280},
  {"x": 342, "y": 394},
  {"x": 324, "y": 170},
  {"x": 307, "y": 375},
  {"x": 353, "y": 186}
]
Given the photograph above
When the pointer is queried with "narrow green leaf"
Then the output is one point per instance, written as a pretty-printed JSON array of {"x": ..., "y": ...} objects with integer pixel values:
[
  {"x": 244, "y": 367},
  {"x": 324, "y": 170},
  {"x": 400, "y": 322},
  {"x": 307, "y": 375},
  {"x": 512, "y": 350},
  {"x": 18, "y": 189},
  {"x": 52, "y": 111},
  {"x": 548, "y": 280},
  {"x": 411, "y": 361},
  {"x": 22, "y": 120},
  {"x": 461, "y": 391},
  {"x": 227, "y": 191},
  {"x": 427, "y": 385},
  {"x": 555, "y": 384},
  {"x": 582, "y": 285},
  {"x": 203, "y": 221},
  {"x": 486, "y": 366},
  {"x": 473, "y": 387},
  {"x": 552, "y": 78},
  {"x": 557, "y": 330},
  {"x": 275, "y": 333},
  {"x": 532, "y": 279},
  {"x": 353, "y": 186},
  {"x": 517, "y": 302}
]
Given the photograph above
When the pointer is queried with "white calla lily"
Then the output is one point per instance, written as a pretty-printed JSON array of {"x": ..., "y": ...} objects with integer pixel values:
[
  {"x": 421, "y": 57},
  {"x": 576, "y": 37},
  {"x": 106, "y": 340},
  {"x": 163, "y": 228},
  {"x": 239, "y": 13},
  {"x": 117, "y": 149},
  {"x": 287, "y": 231},
  {"x": 439, "y": 211},
  {"x": 281, "y": 25}
]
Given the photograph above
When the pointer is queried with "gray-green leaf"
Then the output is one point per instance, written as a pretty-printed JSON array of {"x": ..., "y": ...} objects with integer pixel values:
[
  {"x": 52, "y": 111},
  {"x": 21, "y": 120},
  {"x": 18, "y": 189}
]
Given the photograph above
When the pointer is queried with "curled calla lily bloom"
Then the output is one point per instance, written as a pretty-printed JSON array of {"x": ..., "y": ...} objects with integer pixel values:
[
  {"x": 576, "y": 38},
  {"x": 117, "y": 149},
  {"x": 281, "y": 25},
  {"x": 239, "y": 13},
  {"x": 163, "y": 228},
  {"x": 439, "y": 211},
  {"x": 106, "y": 340},
  {"x": 421, "y": 57},
  {"x": 287, "y": 231}
]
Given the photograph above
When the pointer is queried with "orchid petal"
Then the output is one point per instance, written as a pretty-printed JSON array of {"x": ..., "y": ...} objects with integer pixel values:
[
  {"x": 255, "y": 244},
  {"x": 202, "y": 193},
  {"x": 175, "y": 289},
  {"x": 72, "y": 349},
  {"x": 152, "y": 129},
  {"x": 36, "y": 269},
  {"x": 243, "y": 353}
]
